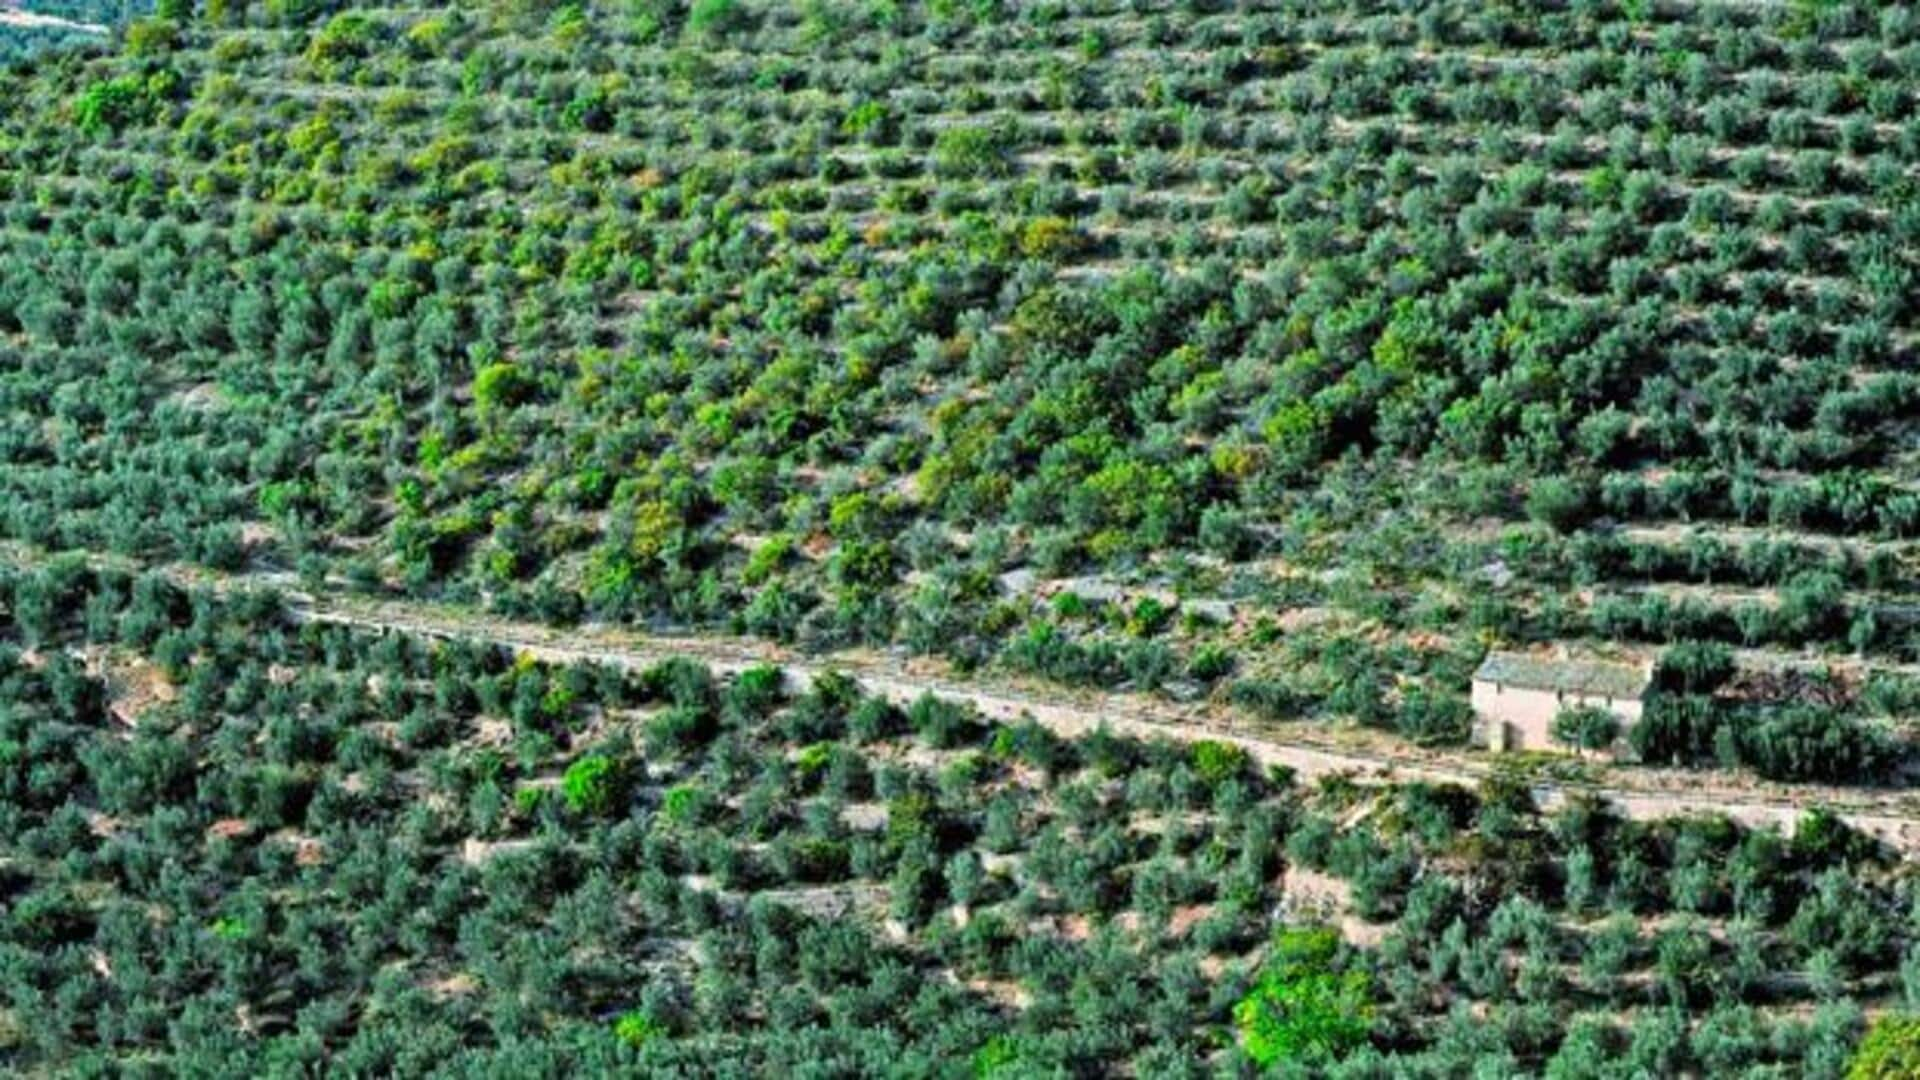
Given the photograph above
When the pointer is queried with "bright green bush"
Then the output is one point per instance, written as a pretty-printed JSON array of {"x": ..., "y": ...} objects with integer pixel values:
[
  {"x": 637, "y": 1029},
  {"x": 596, "y": 785},
  {"x": 1218, "y": 762},
  {"x": 122, "y": 101},
  {"x": 1890, "y": 1051},
  {"x": 499, "y": 386},
  {"x": 1306, "y": 1008}
]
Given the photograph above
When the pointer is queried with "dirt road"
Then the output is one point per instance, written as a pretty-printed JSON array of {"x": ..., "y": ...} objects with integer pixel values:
[
  {"x": 23, "y": 19},
  {"x": 1311, "y": 750}
]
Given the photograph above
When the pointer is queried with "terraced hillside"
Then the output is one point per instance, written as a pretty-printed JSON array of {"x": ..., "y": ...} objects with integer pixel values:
[
  {"x": 1371, "y": 332},
  {"x": 28, "y": 27},
  {"x": 237, "y": 845},
  {"x": 1274, "y": 360}
]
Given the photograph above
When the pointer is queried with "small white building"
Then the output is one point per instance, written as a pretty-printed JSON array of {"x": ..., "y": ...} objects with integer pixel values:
[{"x": 1517, "y": 695}]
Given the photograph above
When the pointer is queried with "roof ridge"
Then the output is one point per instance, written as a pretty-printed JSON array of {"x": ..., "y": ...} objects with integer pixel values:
[{"x": 1592, "y": 675}]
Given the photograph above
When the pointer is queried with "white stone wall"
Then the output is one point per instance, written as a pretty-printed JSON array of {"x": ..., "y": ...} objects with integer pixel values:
[{"x": 1517, "y": 718}]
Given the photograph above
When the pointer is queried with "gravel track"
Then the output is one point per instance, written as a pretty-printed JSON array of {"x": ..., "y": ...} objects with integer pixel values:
[{"x": 1311, "y": 751}]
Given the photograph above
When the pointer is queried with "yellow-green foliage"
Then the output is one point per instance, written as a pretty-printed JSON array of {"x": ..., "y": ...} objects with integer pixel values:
[
  {"x": 1890, "y": 1051},
  {"x": 346, "y": 37},
  {"x": 1307, "y": 1007},
  {"x": 499, "y": 386},
  {"x": 1218, "y": 761},
  {"x": 596, "y": 785},
  {"x": 1048, "y": 238},
  {"x": 636, "y": 1028}
]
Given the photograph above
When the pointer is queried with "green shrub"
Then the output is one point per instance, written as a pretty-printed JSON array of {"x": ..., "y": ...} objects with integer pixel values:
[
  {"x": 499, "y": 386},
  {"x": 867, "y": 117},
  {"x": 526, "y": 800},
  {"x": 1695, "y": 667},
  {"x": 682, "y": 728},
  {"x": 1269, "y": 699},
  {"x": 976, "y": 152},
  {"x": 684, "y": 804},
  {"x": 1812, "y": 605},
  {"x": 347, "y": 36},
  {"x": 998, "y": 1056},
  {"x": 813, "y": 757},
  {"x": 429, "y": 37},
  {"x": 1069, "y": 605},
  {"x": 596, "y": 785},
  {"x": 943, "y": 722},
  {"x": 1048, "y": 238},
  {"x": 1148, "y": 617},
  {"x": 1809, "y": 742},
  {"x": 911, "y": 815},
  {"x": 1305, "y": 1008},
  {"x": 756, "y": 692},
  {"x": 1217, "y": 762},
  {"x": 120, "y": 102},
  {"x": 229, "y": 928},
  {"x": 1211, "y": 662},
  {"x": 636, "y": 1028},
  {"x": 1433, "y": 718},
  {"x": 1890, "y": 1051},
  {"x": 150, "y": 37},
  {"x": 714, "y": 18},
  {"x": 1587, "y": 727},
  {"x": 1559, "y": 502}
]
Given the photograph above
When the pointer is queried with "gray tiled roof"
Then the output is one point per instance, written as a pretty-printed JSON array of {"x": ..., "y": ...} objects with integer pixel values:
[{"x": 1572, "y": 676}]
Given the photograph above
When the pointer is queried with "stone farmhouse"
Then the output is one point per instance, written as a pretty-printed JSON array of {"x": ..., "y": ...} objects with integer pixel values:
[{"x": 1517, "y": 695}]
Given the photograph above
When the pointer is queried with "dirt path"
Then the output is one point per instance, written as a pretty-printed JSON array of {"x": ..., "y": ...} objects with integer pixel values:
[
  {"x": 33, "y": 20},
  {"x": 1311, "y": 750}
]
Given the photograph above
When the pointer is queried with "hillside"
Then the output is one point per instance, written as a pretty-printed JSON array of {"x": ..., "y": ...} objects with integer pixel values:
[
  {"x": 27, "y": 29},
  {"x": 844, "y": 323},
  {"x": 1267, "y": 363},
  {"x": 817, "y": 322},
  {"x": 243, "y": 844}
]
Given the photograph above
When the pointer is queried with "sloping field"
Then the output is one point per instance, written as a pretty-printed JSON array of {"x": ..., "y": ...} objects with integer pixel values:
[
  {"x": 812, "y": 322},
  {"x": 38, "y": 26},
  {"x": 244, "y": 837},
  {"x": 1248, "y": 368}
]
